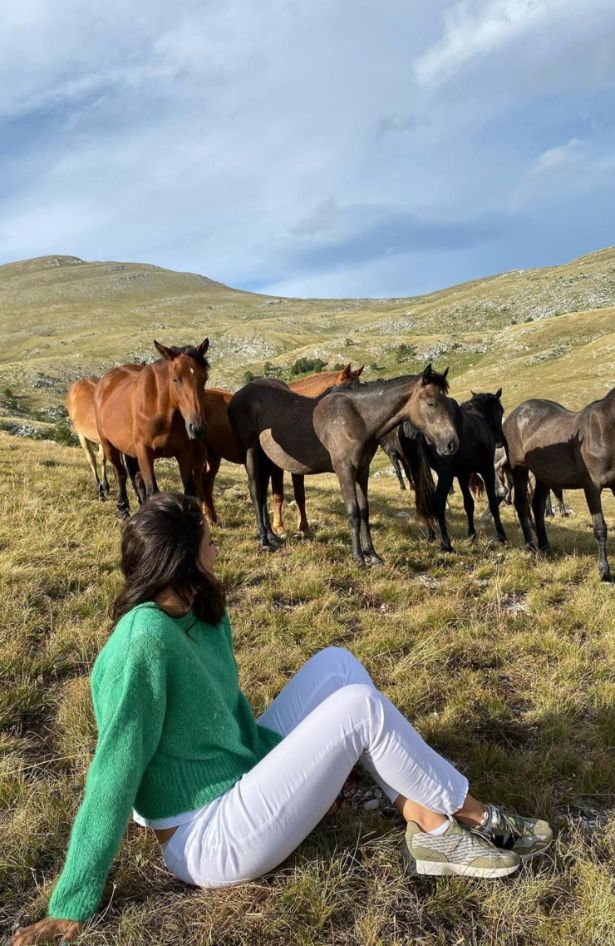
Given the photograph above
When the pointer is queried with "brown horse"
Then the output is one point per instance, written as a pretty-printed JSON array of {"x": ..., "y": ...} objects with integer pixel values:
[
  {"x": 156, "y": 410},
  {"x": 336, "y": 432},
  {"x": 221, "y": 443},
  {"x": 80, "y": 406},
  {"x": 564, "y": 450}
]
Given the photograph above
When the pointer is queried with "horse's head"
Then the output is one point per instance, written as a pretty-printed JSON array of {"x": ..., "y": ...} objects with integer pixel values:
[
  {"x": 187, "y": 371},
  {"x": 348, "y": 376},
  {"x": 431, "y": 411},
  {"x": 491, "y": 408}
]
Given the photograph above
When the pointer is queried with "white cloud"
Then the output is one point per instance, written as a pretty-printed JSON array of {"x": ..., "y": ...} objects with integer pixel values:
[
  {"x": 563, "y": 157},
  {"x": 473, "y": 31}
]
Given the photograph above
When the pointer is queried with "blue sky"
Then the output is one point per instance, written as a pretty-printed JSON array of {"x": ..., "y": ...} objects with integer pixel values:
[{"x": 309, "y": 148}]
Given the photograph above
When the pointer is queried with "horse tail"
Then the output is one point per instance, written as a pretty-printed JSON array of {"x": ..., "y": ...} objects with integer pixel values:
[
  {"x": 424, "y": 489},
  {"x": 476, "y": 484}
]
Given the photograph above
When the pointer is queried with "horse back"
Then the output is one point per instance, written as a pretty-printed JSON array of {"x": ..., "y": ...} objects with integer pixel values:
[
  {"x": 282, "y": 422},
  {"x": 543, "y": 436}
]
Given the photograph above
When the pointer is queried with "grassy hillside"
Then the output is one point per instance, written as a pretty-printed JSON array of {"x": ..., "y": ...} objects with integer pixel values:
[
  {"x": 504, "y": 662},
  {"x": 549, "y": 331}
]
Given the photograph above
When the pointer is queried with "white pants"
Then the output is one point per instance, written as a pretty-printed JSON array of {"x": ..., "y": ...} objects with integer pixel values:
[{"x": 331, "y": 716}]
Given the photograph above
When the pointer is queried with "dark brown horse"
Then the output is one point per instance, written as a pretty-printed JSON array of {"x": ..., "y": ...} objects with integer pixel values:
[
  {"x": 478, "y": 423},
  {"x": 221, "y": 443},
  {"x": 392, "y": 447},
  {"x": 337, "y": 432},
  {"x": 80, "y": 407},
  {"x": 566, "y": 450},
  {"x": 157, "y": 410}
]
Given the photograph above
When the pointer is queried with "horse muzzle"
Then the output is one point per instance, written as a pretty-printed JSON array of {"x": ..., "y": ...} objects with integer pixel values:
[
  {"x": 447, "y": 446},
  {"x": 196, "y": 431}
]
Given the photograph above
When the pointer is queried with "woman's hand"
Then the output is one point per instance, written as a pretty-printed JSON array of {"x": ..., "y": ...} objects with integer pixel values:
[{"x": 47, "y": 931}]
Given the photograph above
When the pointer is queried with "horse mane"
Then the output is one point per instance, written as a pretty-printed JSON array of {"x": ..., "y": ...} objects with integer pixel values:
[
  {"x": 434, "y": 377},
  {"x": 192, "y": 352}
]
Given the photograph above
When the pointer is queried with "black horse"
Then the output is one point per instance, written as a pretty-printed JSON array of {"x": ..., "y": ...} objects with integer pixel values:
[
  {"x": 478, "y": 423},
  {"x": 393, "y": 449}
]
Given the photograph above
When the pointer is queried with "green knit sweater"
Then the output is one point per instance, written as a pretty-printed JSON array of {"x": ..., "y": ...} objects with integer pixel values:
[{"x": 174, "y": 732}]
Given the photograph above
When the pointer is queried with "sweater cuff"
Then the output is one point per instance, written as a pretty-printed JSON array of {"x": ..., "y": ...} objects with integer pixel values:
[{"x": 78, "y": 904}]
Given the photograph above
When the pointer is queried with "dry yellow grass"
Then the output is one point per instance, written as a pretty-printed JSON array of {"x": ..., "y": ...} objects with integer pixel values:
[{"x": 504, "y": 662}]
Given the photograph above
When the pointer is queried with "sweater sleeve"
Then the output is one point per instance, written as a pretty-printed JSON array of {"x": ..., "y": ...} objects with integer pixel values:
[{"x": 130, "y": 713}]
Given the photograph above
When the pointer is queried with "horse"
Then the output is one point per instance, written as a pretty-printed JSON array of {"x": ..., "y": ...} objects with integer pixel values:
[
  {"x": 392, "y": 447},
  {"x": 336, "y": 432},
  {"x": 221, "y": 443},
  {"x": 155, "y": 410},
  {"x": 478, "y": 423},
  {"x": 567, "y": 450},
  {"x": 80, "y": 406}
]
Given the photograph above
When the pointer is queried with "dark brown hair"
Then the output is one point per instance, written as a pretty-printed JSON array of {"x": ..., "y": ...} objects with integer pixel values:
[{"x": 160, "y": 549}]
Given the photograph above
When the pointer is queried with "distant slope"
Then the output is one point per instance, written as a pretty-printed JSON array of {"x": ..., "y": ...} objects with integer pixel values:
[{"x": 548, "y": 332}]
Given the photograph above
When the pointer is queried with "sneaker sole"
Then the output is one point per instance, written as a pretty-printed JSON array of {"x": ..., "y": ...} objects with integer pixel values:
[{"x": 447, "y": 869}]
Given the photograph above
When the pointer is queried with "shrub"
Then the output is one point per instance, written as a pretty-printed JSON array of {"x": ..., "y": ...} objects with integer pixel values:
[{"x": 305, "y": 365}]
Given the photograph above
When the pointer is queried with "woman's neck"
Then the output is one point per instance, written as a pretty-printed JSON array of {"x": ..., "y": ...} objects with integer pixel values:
[{"x": 170, "y": 602}]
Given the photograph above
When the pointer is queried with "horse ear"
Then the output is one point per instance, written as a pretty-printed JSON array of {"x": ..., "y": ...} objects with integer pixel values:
[
  {"x": 346, "y": 371},
  {"x": 473, "y": 393},
  {"x": 498, "y": 393},
  {"x": 445, "y": 371},
  {"x": 164, "y": 351},
  {"x": 427, "y": 374},
  {"x": 203, "y": 347},
  {"x": 359, "y": 371}
]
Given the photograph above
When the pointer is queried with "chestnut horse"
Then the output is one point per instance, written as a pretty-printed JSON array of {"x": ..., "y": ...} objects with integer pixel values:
[
  {"x": 156, "y": 410},
  {"x": 221, "y": 443},
  {"x": 80, "y": 406},
  {"x": 336, "y": 432},
  {"x": 567, "y": 450}
]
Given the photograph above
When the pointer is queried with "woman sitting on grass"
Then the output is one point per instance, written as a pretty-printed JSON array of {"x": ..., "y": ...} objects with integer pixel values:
[{"x": 229, "y": 798}]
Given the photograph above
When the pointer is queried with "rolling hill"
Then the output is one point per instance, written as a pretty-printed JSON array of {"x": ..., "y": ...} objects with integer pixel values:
[{"x": 542, "y": 331}]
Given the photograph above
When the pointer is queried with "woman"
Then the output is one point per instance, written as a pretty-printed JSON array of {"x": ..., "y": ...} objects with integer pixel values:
[{"x": 230, "y": 798}]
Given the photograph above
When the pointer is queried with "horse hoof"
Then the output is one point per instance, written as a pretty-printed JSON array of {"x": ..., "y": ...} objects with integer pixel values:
[
  {"x": 447, "y": 548},
  {"x": 472, "y": 537},
  {"x": 375, "y": 561},
  {"x": 268, "y": 547},
  {"x": 502, "y": 539},
  {"x": 607, "y": 578},
  {"x": 123, "y": 514},
  {"x": 530, "y": 547},
  {"x": 360, "y": 561}
]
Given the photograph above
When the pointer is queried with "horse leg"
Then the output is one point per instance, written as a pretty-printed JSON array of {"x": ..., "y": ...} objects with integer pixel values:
[
  {"x": 299, "y": 491},
  {"x": 115, "y": 458},
  {"x": 488, "y": 475},
  {"x": 277, "y": 491},
  {"x": 103, "y": 466},
  {"x": 548, "y": 506},
  {"x": 539, "y": 502},
  {"x": 145, "y": 459},
  {"x": 266, "y": 472},
  {"x": 468, "y": 504},
  {"x": 442, "y": 490},
  {"x": 520, "y": 477},
  {"x": 88, "y": 449},
  {"x": 395, "y": 461},
  {"x": 209, "y": 478},
  {"x": 592, "y": 495},
  {"x": 136, "y": 479},
  {"x": 254, "y": 485},
  {"x": 347, "y": 480},
  {"x": 369, "y": 553},
  {"x": 561, "y": 505}
]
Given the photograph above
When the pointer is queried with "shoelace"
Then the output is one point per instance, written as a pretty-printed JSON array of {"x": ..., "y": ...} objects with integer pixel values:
[{"x": 502, "y": 825}]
